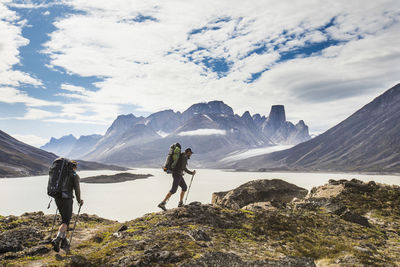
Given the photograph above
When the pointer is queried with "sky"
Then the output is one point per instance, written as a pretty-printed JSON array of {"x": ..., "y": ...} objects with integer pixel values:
[{"x": 73, "y": 66}]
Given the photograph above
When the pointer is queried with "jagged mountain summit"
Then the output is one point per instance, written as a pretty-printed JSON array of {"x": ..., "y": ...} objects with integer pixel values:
[
  {"x": 211, "y": 129},
  {"x": 369, "y": 140}
]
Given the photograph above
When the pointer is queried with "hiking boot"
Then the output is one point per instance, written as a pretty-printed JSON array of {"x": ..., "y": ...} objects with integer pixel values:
[
  {"x": 180, "y": 204},
  {"x": 64, "y": 244},
  {"x": 162, "y": 206},
  {"x": 56, "y": 244}
]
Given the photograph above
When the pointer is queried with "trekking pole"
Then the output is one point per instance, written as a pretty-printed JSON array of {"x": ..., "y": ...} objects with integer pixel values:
[
  {"x": 54, "y": 223},
  {"x": 73, "y": 230},
  {"x": 189, "y": 188}
]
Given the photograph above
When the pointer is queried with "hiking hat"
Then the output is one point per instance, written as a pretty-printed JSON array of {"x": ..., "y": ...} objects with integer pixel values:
[
  {"x": 74, "y": 164},
  {"x": 188, "y": 150}
]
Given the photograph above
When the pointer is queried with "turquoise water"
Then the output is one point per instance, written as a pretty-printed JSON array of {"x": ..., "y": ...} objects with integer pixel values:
[{"x": 128, "y": 200}]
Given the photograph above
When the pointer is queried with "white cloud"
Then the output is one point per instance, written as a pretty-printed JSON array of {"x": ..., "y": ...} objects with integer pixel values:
[
  {"x": 147, "y": 64},
  {"x": 73, "y": 88},
  {"x": 30, "y": 139},
  {"x": 203, "y": 132},
  {"x": 38, "y": 114},
  {"x": 11, "y": 95},
  {"x": 11, "y": 40}
]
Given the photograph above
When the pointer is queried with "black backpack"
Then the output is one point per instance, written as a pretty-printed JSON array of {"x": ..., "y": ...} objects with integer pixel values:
[
  {"x": 168, "y": 162},
  {"x": 59, "y": 174}
]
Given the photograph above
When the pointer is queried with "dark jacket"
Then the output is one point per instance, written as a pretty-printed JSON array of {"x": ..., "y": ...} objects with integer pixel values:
[
  {"x": 181, "y": 165},
  {"x": 73, "y": 184}
]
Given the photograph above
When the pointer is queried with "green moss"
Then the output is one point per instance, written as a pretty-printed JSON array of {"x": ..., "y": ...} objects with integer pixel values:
[
  {"x": 193, "y": 226},
  {"x": 240, "y": 235}
]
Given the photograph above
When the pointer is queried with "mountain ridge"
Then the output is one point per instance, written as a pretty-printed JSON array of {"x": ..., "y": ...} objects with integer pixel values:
[{"x": 201, "y": 124}]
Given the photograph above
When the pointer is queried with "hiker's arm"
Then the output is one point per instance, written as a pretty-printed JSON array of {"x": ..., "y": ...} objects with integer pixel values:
[
  {"x": 187, "y": 170},
  {"x": 77, "y": 188}
]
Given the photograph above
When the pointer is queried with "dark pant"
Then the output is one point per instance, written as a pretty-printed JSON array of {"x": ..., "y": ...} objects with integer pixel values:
[
  {"x": 178, "y": 180},
  {"x": 64, "y": 206}
]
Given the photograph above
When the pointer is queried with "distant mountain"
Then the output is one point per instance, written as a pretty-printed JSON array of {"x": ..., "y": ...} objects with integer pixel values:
[
  {"x": 69, "y": 146},
  {"x": 283, "y": 132},
  {"x": 62, "y": 146},
  {"x": 369, "y": 140},
  {"x": 213, "y": 107},
  {"x": 19, "y": 159},
  {"x": 212, "y": 129},
  {"x": 163, "y": 122}
]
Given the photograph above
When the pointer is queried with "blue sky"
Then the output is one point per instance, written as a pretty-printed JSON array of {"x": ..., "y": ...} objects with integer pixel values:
[{"x": 72, "y": 66}]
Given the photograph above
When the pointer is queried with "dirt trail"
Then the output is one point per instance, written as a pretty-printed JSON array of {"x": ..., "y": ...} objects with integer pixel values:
[{"x": 80, "y": 235}]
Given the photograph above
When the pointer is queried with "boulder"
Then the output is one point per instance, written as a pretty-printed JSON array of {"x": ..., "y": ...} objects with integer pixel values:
[
  {"x": 200, "y": 235},
  {"x": 275, "y": 190},
  {"x": 15, "y": 240},
  {"x": 260, "y": 206},
  {"x": 355, "y": 218}
]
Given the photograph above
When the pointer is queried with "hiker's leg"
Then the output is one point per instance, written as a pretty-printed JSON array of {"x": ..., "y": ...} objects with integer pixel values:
[
  {"x": 169, "y": 194},
  {"x": 183, "y": 185},
  {"x": 177, "y": 178},
  {"x": 65, "y": 208},
  {"x": 182, "y": 195}
]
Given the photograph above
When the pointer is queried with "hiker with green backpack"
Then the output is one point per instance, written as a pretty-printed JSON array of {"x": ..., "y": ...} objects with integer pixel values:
[
  {"x": 63, "y": 180},
  {"x": 176, "y": 164}
]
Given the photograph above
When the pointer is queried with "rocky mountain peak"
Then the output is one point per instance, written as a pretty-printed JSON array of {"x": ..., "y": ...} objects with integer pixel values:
[
  {"x": 122, "y": 123},
  {"x": 247, "y": 116},
  {"x": 277, "y": 115},
  {"x": 301, "y": 124},
  {"x": 213, "y": 107}
]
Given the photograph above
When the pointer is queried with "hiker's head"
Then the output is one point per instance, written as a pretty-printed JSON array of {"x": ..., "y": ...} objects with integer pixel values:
[
  {"x": 188, "y": 152},
  {"x": 74, "y": 164}
]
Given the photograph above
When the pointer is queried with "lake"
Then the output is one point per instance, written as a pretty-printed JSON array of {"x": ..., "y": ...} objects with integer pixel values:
[{"x": 128, "y": 200}]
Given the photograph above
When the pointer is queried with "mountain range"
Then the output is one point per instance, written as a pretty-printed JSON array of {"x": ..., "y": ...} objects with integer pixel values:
[
  {"x": 367, "y": 141},
  {"x": 211, "y": 129}
]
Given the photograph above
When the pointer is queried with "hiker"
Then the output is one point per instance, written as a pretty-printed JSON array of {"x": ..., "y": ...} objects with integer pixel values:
[
  {"x": 178, "y": 167},
  {"x": 64, "y": 204}
]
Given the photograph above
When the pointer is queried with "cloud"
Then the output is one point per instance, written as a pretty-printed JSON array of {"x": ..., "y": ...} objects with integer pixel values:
[
  {"x": 11, "y": 95},
  {"x": 30, "y": 139},
  {"x": 159, "y": 55},
  {"x": 73, "y": 88},
  {"x": 203, "y": 132},
  {"x": 38, "y": 114},
  {"x": 11, "y": 40}
]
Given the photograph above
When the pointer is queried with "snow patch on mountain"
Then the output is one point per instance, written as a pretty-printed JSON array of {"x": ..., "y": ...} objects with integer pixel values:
[
  {"x": 239, "y": 155},
  {"x": 203, "y": 132},
  {"x": 208, "y": 117}
]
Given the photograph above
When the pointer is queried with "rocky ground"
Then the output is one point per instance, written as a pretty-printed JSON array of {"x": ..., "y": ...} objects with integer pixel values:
[
  {"x": 343, "y": 223},
  {"x": 116, "y": 178}
]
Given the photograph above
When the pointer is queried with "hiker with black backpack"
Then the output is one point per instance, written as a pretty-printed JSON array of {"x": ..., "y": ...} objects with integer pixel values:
[
  {"x": 63, "y": 181},
  {"x": 177, "y": 167}
]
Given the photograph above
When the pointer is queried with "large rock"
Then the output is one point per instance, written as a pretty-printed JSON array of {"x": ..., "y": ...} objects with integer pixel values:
[
  {"x": 16, "y": 239},
  {"x": 275, "y": 190}
]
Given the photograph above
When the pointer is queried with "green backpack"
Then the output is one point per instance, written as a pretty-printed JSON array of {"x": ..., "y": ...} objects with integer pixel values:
[{"x": 173, "y": 156}]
